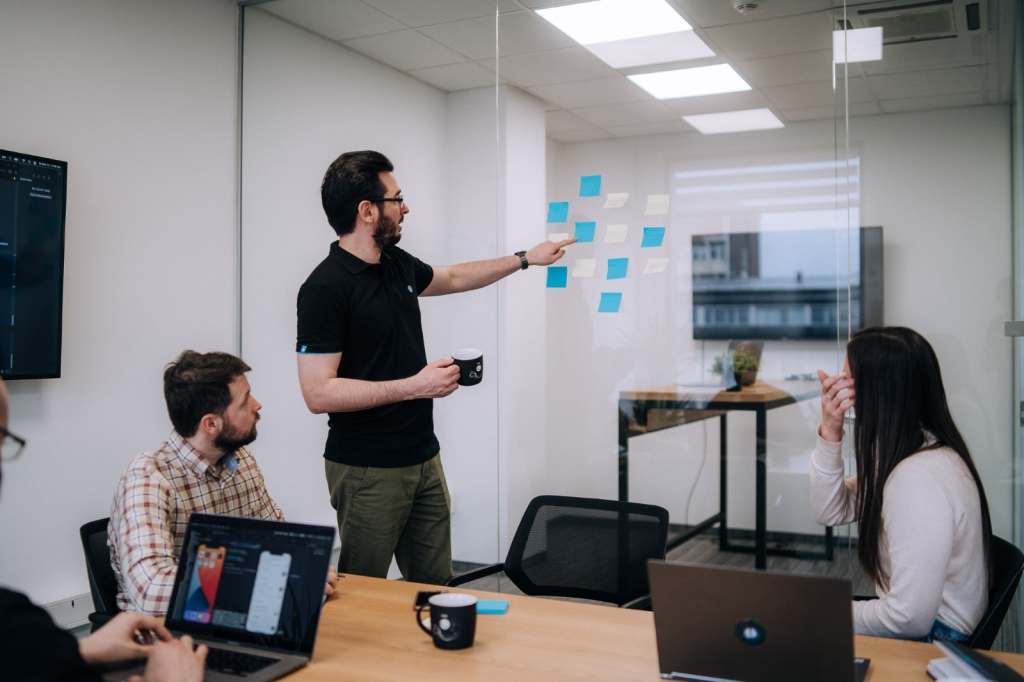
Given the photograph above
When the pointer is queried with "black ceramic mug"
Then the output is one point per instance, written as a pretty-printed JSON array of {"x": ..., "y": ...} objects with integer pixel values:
[
  {"x": 452, "y": 620},
  {"x": 471, "y": 366}
]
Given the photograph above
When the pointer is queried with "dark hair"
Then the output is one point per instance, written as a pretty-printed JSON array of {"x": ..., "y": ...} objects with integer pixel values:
[
  {"x": 196, "y": 384},
  {"x": 899, "y": 397},
  {"x": 352, "y": 178}
]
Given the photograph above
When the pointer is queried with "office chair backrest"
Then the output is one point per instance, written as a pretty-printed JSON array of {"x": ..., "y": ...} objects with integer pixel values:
[
  {"x": 102, "y": 581},
  {"x": 586, "y": 548},
  {"x": 1007, "y": 565}
]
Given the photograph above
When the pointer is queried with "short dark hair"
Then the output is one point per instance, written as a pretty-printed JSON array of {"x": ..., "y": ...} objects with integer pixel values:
[
  {"x": 196, "y": 384},
  {"x": 352, "y": 178}
]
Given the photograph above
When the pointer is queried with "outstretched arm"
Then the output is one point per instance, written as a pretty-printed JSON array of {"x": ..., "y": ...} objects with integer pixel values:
[{"x": 453, "y": 279}]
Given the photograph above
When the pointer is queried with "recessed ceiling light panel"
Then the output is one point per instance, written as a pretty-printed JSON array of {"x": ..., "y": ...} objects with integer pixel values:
[
  {"x": 701, "y": 80},
  {"x": 734, "y": 121},
  {"x": 603, "y": 21}
]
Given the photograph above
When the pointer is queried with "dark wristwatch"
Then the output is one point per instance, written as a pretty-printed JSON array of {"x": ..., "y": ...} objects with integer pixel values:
[{"x": 522, "y": 258}]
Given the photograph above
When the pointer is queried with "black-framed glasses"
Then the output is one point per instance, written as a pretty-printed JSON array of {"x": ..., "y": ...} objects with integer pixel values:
[
  {"x": 10, "y": 445},
  {"x": 400, "y": 200}
]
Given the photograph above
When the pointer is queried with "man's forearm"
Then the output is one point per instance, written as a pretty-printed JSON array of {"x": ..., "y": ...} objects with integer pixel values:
[
  {"x": 480, "y": 273},
  {"x": 350, "y": 395}
]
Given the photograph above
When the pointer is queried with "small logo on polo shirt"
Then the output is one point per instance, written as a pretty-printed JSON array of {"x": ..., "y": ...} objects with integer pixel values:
[
  {"x": 409, "y": 288},
  {"x": 302, "y": 350}
]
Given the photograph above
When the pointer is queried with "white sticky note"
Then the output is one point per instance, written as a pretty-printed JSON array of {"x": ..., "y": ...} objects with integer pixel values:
[
  {"x": 657, "y": 204},
  {"x": 616, "y": 199},
  {"x": 584, "y": 267},
  {"x": 655, "y": 265},
  {"x": 558, "y": 236},
  {"x": 616, "y": 234}
]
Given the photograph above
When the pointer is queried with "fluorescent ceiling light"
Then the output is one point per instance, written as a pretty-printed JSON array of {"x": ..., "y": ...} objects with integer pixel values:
[
  {"x": 603, "y": 21},
  {"x": 857, "y": 45},
  {"x": 702, "y": 80},
  {"x": 625, "y": 33},
  {"x": 734, "y": 121}
]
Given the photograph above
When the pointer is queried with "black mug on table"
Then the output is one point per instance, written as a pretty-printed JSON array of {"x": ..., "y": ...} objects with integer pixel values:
[
  {"x": 452, "y": 620},
  {"x": 471, "y": 366}
]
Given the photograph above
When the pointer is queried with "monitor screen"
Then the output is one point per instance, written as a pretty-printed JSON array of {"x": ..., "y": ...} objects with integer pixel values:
[
  {"x": 32, "y": 210},
  {"x": 786, "y": 284}
]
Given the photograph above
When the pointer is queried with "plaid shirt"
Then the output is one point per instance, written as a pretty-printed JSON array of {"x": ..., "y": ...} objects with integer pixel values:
[{"x": 154, "y": 499}]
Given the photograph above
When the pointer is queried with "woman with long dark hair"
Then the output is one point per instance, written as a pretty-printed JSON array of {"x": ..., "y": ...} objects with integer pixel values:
[{"x": 924, "y": 527}]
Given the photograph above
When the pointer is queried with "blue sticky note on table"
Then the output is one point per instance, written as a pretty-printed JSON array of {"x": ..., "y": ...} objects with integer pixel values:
[
  {"x": 558, "y": 211},
  {"x": 609, "y": 303},
  {"x": 557, "y": 277},
  {"x": 617, "y": 268},
  {"x": 585, "y": 232},
  {"x": 590, "y": 186},
  {"x": 492, "y": 606},
  {"x": 653, "y": 236}
]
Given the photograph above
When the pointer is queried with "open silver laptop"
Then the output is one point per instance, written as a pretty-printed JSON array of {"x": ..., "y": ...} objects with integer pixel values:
[
  {"x": 716, "y": 623},
  {"x": 251, "y": 590}
]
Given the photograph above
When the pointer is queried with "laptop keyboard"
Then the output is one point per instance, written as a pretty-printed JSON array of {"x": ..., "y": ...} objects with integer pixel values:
[{"x": 236, "y": 662}]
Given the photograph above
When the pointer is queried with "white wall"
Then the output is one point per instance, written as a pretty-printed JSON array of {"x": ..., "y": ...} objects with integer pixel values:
[
  {"x": 938, "y": 182},
  {"x": 138, "y": 96}
]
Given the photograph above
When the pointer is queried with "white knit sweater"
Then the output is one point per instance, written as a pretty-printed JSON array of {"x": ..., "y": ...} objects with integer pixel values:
[{"x": 930, "y": 545}]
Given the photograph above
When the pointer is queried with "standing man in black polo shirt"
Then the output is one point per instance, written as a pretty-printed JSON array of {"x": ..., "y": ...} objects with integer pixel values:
[{"x": 362, "y": 360}]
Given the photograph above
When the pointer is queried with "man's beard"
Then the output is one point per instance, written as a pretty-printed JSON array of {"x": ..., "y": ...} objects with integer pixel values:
[
  {"x": 385, "y": 233},
  {"x": 229, "y": 441}
]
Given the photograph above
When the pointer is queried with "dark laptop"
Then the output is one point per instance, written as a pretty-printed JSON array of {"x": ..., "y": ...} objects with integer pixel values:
[
  {"x": 251, "y": 590},
  {"x": 715, "y": 623}
]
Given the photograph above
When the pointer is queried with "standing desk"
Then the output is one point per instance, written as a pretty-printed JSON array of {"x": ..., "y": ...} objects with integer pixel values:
[
  {"x": 637, "y": 410},
  {"x": 368, "y": 633}
]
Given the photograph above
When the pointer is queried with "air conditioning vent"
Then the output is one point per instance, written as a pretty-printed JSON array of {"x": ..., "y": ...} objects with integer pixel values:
[{"x": 914, "y": 25}]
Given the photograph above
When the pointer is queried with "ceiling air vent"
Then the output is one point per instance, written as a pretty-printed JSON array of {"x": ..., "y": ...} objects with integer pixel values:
[{"x": 904, "y": 22}]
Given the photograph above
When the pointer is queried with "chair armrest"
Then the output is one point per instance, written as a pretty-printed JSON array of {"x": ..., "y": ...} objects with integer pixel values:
[
  {"x": 99, "y": 619},
  {"x": 481, "y": 572},
  {"x": 640, "y": 603},
  {"x": 864, "y": 597}
]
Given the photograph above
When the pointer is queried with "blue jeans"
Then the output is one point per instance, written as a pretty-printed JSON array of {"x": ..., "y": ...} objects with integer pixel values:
[{"x": 942, "y": 630}]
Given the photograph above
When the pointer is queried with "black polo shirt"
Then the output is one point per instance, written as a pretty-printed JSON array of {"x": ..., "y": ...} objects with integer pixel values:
[{"x": 370, "y": 314}]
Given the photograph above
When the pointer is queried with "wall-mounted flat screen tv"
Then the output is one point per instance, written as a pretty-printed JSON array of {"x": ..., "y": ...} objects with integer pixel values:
[
  {"x": 800, "y": 284},
  {"x": 32, "y": 211}
]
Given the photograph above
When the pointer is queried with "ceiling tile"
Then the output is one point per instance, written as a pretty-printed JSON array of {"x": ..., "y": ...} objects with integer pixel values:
[
  {"x": 539, "y": 4},
  {"x": 706, "y": 13},
  {"x": 829, "y": 112},
  {"x": 711, "y": 104},
  {"x": 928, "y": 83},
  {"x": 561, "y": 119},
  {"x": 405, "y": 50},
  {"x": 334, "y": 19},
  {"x": 756, "y": 39},
  {"x": 580, "y": 135},
  {"x": 418, "y": 13},
  {"x": 627, "y": 114},
  {"x": 802, "y": 67},
  {"x": 820, "y": 94},
  {"x": 658, "y": 128},
  {"x": 552, "y": 66},
  {"x": 966, "y": 99},
  {"x": 453, "y": 77},
  {"x": 518, "y": 33},
  {"x": 590, "y": 93}
]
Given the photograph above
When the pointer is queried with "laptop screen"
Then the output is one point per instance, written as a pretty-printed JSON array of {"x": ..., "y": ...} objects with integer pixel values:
[{"x": 251, "y": 582}]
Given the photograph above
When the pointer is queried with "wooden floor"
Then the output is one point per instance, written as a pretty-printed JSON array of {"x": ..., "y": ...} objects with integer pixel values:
[{"x": 704, "y": 550}]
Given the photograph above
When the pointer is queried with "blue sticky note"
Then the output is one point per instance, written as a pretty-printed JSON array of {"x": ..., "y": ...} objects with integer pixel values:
[
  {"x": 558, "y": 211},
  {"x": 492, "y": 606},
  {"x": 590, "y": 186},
  {"x": 617, "y": 268},
  {"x": 653, "y": 236},
  {"x": 557, "y": 277},
  {"x": 609, "y": 303},
  {"x": 585, "y": 232}
]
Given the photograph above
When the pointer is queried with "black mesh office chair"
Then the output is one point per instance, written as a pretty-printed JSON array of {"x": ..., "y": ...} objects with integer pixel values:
[
  {"x": 102, "y": 581},
  {"x": 584, "y": 548},
  {"x": 1007, "y": 565}
]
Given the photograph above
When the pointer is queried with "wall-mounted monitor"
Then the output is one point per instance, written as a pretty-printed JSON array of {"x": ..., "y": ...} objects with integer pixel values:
[
  {"x": 786, "y": 284},
  {"x": 32, "y": 211}
]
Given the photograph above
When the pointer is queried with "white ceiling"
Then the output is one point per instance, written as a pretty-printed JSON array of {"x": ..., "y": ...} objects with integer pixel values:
[{"x": 783, "y": 50}]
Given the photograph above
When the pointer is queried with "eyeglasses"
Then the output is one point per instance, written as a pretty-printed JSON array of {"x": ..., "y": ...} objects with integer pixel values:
[
  {"x": 10, "y": 445},
  {"x": 400, "y": 200}
]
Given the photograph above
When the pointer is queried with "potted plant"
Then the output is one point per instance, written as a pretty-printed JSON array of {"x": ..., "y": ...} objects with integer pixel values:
[{"x": 741, "y": 362}]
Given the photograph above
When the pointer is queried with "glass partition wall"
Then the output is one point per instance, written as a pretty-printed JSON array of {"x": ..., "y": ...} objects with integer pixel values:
[{"x": 747, "y": 187}]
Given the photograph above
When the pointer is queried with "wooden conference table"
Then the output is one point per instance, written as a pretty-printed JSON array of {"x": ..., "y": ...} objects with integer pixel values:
[{"x": 368, "y": 632}]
